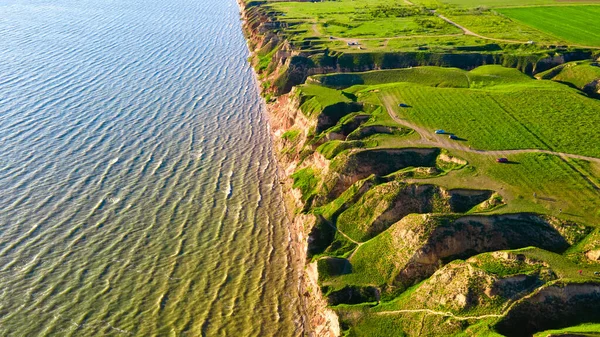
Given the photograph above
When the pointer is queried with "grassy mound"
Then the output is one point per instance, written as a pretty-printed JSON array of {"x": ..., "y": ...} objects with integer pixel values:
[
  {"x": 582, "y": 75},
  {"x": 349, "y": 168},
  {"x": 415, "y": 247},
  {"x": 489, "y": 75},
  {"x": 387, "y": 203}
]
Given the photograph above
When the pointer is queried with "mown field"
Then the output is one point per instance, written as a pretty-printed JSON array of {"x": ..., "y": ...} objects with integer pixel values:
[
  {"x": 504, "y": 116},
  {"x": 362, "y": 19},
  {"x": 490, "y": 23},
  {"x": 562, "y": 187},
  {"x": 576, "y": 24}
]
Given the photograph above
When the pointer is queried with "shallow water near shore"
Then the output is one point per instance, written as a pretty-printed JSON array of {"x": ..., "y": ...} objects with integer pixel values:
[{"x": 138, "y": 189}]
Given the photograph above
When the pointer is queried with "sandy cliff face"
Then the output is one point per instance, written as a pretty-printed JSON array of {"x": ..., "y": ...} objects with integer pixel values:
[{"x": 285, "y": 115}]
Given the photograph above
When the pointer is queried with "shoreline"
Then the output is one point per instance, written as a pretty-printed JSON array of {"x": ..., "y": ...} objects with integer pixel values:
[{"x": 317, "y": 320}]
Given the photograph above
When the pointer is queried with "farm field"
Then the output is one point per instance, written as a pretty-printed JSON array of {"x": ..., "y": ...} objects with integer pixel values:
[
  {"x": 362, "y": 19},
  {"x": 400, "y": 26},
  {"x": 491, "y": 108},
  {"x": 491, "y": 24},
  {"x": 576, "y": 24},
  {"x": 563, "y": 184},
  {"x": 505, "y": 116}
]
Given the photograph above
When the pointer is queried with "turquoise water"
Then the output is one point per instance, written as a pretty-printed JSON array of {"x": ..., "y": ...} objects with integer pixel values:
[{"x": 138, "y": 191}]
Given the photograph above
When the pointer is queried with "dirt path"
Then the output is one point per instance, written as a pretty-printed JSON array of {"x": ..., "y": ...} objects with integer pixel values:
[
  {"x": 428, "y": 137},
  {"x": 358, "y": 244},
  {"x": 315, "y": 29},
  {"x": 439, "y": 313},
  {"x": 469, "y": 32}
]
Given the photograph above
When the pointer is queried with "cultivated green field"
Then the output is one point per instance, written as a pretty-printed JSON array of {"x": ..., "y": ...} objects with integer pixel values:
[
  {"x": 558, "y": 184},
  {"x": 576, "y": 24},
  {"x": 494, "y": 25},
  {"x": 504, "y": 116},
  {"x": 499, "y": 3}
]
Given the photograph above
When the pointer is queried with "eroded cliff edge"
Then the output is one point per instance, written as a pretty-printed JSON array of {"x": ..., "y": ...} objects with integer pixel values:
[{"x": 378, "y": 235}]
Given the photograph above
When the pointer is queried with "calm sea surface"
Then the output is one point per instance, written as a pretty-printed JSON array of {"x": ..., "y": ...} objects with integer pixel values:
[{"x": 138, "y": 190}]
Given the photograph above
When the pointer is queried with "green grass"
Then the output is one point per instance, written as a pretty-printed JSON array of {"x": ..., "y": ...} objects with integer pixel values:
[
  {"x": 307, "y": 181},
  {"x": 388, "y": 25},
  {"x": 316, "y": 98},
  {"x": 576, "y": 24},
  {"x": 332, "y": 148},
  {"x": 506, "y": 116},
  {"x": 496, "y": 3},
  {"x": 491, "y": 24},
  {"x": 357, "y": 220},
  {"x": 504, "y": 3},
  {"x": 431, "y": 76},
  {"x": 362, "y": 19},
  {"x": 505, "y": 268},
  {"x": 502, "y": 109},
  {"x": 562, "y": 266},
  {"x": 555, "y": 182},
  {"x": 484, "y": 76},
  {"x": 291, "y": 135},
  {"x": 494, "y": 108}
]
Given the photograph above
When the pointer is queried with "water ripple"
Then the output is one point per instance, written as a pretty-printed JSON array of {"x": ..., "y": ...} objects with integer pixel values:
[{"x": 139, "y": 192}]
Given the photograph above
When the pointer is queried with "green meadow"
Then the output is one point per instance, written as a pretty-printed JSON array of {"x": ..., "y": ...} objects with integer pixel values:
[{"x": 575, "y": 24}]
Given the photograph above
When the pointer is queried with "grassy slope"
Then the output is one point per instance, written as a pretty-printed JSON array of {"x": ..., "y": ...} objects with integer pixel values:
[
  {"x": 577, "y": 74},
  {"x": 384, "y": 25},
  {"x": 500, "y": 3},
  {"x": 556, "y": 184},
  {"x": 576, "y": 24}
]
